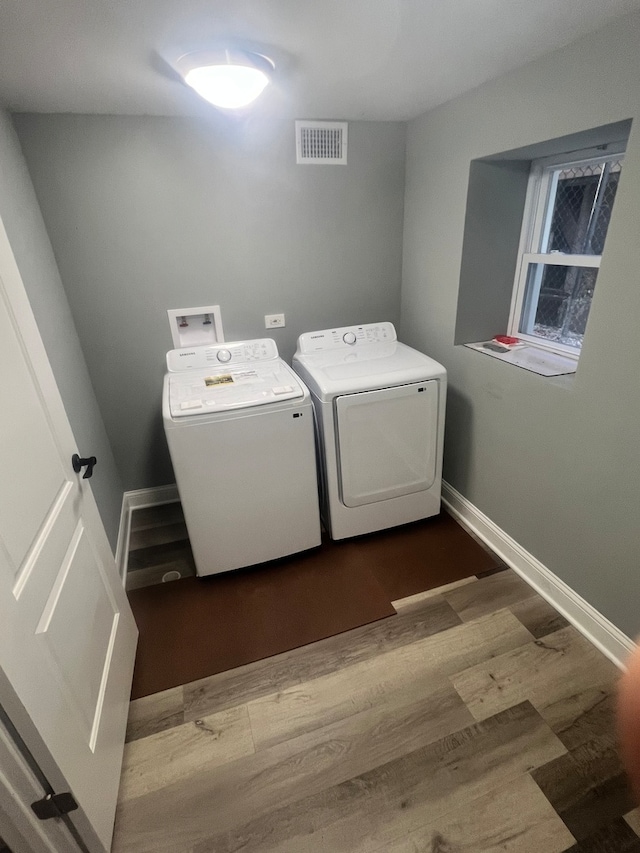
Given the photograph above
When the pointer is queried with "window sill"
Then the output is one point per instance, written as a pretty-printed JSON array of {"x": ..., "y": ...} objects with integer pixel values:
[{"x": 532, "y": 358}]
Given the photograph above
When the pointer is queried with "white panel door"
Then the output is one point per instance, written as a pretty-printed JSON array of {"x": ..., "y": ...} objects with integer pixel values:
[
  {"x": 387, "y": 442},
  {"x": 67, "y": 634}
]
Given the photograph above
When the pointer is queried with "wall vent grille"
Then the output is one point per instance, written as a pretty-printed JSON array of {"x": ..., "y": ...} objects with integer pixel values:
[{"x": 321, "y": 142}]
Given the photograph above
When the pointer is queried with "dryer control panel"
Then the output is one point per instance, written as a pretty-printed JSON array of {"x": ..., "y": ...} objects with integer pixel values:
[
  {"x": 346, "y": 337},
  {"x": 237, "y": 352}
]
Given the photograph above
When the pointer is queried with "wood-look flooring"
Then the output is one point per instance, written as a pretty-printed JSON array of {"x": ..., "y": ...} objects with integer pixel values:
[{"x": 476, "y": 720}]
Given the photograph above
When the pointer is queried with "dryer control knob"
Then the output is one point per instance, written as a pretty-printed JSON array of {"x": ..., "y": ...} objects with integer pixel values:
[
  {"x": 224, "y": 355},
  {"x": 349, "y": 338}
]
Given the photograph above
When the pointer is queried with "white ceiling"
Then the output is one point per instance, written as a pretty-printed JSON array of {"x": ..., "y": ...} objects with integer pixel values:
[{"x": 342, "y": 59}]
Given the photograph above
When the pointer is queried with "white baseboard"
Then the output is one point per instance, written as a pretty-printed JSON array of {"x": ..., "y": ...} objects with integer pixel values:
[
  {"x": 137, "y": 500},
  {"x": 590, "y": 622}
]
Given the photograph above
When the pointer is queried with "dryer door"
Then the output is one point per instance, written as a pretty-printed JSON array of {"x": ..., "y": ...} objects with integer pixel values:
[{"x": 387, "y": 442}]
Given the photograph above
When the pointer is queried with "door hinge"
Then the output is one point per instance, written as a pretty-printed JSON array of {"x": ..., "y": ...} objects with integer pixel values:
[{"x": 54, "y": 805}]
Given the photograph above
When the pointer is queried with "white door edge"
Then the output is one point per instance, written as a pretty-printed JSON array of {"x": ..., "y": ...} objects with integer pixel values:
[
  {"x": 11, "y": 792},
  {"x": 19, "y": 787}
]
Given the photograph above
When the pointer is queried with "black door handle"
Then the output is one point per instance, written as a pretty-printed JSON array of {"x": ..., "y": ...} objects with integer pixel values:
[{"x": 79, "y": 464}]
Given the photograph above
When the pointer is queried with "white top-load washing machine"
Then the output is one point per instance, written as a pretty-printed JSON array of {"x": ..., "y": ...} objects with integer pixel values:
[
  {"x": 380, "y": 417},
  {"x": 239, "y": 425}
]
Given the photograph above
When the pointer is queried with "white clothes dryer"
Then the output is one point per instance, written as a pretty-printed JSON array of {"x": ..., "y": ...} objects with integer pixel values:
[
  {"x": 380, "y": 409},
  {"x": 239, "y": 425}
]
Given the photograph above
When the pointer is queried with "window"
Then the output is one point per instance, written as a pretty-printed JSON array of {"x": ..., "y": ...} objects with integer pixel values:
[{"x": 568, "y": 209}]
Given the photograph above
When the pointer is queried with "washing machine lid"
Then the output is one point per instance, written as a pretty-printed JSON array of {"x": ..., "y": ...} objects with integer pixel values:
[
  {"x": 249, "y": 375},
  {"x": 359, "y": 358}
]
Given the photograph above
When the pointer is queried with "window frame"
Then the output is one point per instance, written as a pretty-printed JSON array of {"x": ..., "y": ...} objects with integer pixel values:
[{"x": 536, "y": 226}]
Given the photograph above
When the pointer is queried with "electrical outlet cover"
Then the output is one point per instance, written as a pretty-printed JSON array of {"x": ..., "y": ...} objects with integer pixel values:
[{"x": 274, "y": 321}]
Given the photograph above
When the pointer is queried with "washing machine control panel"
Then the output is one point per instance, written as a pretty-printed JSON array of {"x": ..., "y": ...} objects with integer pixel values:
[
  {"x": 348, "y": 336},
  {"x": 237, "y": 352}
]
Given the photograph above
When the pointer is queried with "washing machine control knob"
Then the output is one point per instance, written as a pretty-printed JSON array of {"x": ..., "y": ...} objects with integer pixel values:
[
  {"x": 224, "y": 355},
  {"x": 349, "y": 338}
]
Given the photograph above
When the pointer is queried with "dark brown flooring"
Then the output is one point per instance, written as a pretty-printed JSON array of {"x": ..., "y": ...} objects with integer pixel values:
[
  {"x": 195, "y": 627},
  {"x": 420, "y": 556}
]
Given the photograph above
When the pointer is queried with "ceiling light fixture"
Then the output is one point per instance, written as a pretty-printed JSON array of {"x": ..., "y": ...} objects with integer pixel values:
[{"x": 229, "y": 79}]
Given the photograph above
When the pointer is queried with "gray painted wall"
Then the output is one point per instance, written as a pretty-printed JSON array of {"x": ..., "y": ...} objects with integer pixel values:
[
  {"x": 554, "y": 462},
  {"x": 493, "y": 222},
  {"x": 22, "y": 220},
  {"x": 147, "y": 214}
]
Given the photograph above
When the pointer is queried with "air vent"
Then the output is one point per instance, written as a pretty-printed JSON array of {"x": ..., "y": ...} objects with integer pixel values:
[{"x": 321, "y": 142}]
